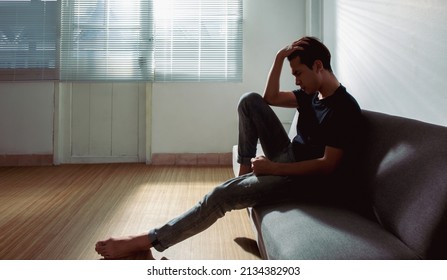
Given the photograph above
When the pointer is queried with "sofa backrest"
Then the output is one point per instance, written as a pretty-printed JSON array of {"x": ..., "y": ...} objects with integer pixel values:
[
  {"x": 405, "y": 171},
  {"x": 292, "y": 130}
]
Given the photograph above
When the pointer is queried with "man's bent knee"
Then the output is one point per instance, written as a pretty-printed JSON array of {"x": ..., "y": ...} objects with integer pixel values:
[{"x": 250, "y": 98}]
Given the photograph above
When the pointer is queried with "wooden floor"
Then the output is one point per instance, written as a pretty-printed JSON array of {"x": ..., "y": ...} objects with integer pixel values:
[{"x": 60, "y": 212}]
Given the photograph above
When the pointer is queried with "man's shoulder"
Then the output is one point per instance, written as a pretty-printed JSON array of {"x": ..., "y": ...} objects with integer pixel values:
[{"x": 347, "y": 99}]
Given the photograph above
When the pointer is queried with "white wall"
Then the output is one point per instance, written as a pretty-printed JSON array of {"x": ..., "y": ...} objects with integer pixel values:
[
  {"x": 26, "y": 118},
  {"x": 202, "y": 118},
  {"x": 181, "y": 118},
  {"x": 392, "y": 55}
]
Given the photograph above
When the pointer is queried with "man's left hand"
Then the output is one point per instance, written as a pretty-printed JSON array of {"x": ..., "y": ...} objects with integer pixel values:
[{"x": 262, "y": 165}]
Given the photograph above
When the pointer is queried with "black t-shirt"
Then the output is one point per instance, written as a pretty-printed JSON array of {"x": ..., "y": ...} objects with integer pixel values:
[{"x": 335, "y": 121}]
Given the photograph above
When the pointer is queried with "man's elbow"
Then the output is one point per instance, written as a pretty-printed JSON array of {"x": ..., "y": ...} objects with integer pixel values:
[
  {"x": 331, "y": 160},
  {"x": 328, "y": 167},
  {"x": 328, "y": 170},
  {"x": 268, "y": 99}
]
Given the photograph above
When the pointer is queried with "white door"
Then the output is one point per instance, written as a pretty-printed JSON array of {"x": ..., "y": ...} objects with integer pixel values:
[{"x": 101, "y": 123}]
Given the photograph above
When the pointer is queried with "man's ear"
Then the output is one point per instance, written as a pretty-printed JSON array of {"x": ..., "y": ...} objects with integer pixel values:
[{"x": 318, "y": 65}]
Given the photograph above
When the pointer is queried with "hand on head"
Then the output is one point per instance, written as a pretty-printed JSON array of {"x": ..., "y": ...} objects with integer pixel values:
[{"x": 298, "y": 45}]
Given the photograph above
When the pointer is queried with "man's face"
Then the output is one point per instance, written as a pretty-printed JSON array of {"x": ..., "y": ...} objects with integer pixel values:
[{"x": 305, "y": 78}]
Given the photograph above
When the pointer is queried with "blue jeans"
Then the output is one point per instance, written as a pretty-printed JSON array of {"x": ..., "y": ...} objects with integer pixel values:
[{"x": 256, "y": 121}]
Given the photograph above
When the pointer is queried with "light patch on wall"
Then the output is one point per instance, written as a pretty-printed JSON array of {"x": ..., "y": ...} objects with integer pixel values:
[{"x": 391, "y": 55}]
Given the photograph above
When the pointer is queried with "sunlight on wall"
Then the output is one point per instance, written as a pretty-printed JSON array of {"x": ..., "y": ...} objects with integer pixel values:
[{"x": 391, "y": 55}]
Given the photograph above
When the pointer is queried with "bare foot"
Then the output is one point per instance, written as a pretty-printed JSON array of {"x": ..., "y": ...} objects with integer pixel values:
[{"x": 115, "y": 248}]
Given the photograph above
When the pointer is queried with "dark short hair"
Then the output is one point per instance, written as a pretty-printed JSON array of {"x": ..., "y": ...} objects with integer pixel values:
[{"x": 315, "y": 50}]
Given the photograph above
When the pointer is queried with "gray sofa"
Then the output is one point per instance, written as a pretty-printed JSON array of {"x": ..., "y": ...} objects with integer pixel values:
[{"x": 404, "y": 176}]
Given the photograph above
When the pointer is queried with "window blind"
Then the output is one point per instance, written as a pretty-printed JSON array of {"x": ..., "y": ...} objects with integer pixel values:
[
  {"x": 28, "y": 40},
  {"x": 106, "y": 40},
  {"x": 193, "y": 40},
  {"x": 198, "y": 40}
]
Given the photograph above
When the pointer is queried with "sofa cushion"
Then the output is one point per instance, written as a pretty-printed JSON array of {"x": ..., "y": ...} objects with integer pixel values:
[
  {"x": 405, "y": 171},
  {"x": 306, "y": 231}
]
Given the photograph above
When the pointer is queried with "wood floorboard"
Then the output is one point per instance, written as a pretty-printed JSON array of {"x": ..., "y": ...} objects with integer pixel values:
[{"x": 51, "y": 213}]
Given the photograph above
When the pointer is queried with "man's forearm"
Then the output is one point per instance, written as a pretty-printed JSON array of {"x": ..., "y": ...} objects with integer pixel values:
[
  {"x": 273, "y": 81},
  {"x": 263, "y": 166},
  {"x": 319, "y": 166},
  {"x": 309, "y": 167}
]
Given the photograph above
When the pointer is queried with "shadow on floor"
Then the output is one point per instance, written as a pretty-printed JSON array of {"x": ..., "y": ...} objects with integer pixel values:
[{"x": 249, "y": 245}]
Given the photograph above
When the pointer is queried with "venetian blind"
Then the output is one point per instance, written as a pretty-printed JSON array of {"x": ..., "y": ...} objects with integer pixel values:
[
  {"x": 198, "y": 40},
  {"x": 106, "y": 40},
  {"x": 28, "y": 40}
]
